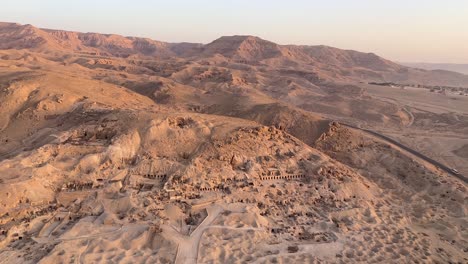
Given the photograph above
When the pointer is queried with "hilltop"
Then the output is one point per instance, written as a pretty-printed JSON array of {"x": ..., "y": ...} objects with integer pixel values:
[
  {"x": 125, "y": 149},
  {"x": 332, "y": 63}
]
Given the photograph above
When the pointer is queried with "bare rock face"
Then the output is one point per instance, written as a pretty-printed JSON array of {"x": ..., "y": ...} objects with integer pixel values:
[
  {"x": 15, "y": 36},
  {"x": 236, "y": 161},
  {"x": 247, "y": 48},
  {"x": 123, "y": 149}
]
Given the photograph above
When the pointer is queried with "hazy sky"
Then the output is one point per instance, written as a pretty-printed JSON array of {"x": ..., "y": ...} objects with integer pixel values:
[{"x": 401, "y": 30}]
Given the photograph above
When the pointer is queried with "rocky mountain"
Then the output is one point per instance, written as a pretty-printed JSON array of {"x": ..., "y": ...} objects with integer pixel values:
[
  {"x": 454, "y": 67},
  {"x": 332, "y": 63},
  {"x": 15, "y": 36},
  {"x": 123, "y": 149}
]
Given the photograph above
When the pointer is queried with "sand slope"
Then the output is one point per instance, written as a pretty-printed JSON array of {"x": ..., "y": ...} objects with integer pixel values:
[{"x": 127, "y": 150}]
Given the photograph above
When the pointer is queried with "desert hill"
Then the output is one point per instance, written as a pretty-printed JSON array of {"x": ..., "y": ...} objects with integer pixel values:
[
  {"x": 15, "y": 36},
  {"x": 454, "y": 67},
  {"x": 123, "y": 149},
  {"x": 330, "y": 62},
  {"x": 246, "y": 48}
]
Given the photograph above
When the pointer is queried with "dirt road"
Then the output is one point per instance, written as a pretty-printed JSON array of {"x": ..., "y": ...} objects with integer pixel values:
[{"x": 412, "y": 151}]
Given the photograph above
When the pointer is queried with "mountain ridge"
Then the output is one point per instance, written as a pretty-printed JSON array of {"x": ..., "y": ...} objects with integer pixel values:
[
  {"x": 453, "y": 67},
  {"x": 122, "y": 149},
  {"x": 329, "y": 62}
]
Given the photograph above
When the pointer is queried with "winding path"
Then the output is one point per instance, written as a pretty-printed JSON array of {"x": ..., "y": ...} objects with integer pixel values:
[
  {"x": 187, "y": 251},
  {"x": 410, "y": 114},
  {"x": 188, "y": 246}
]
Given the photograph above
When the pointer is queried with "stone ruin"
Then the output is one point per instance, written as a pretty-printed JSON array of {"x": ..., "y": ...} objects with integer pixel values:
[
  {"x": 142, "y": 187},
  {"x": 181, "y": 122},
  {"x": 214, "y": 189},
  {"x": 92, "y": 136},
  {"x": 283, "y": 177},
  {"x": 77, "y": 186},
  {"x": 155, "y": 176},
  {"x": 155, "y": 229}
]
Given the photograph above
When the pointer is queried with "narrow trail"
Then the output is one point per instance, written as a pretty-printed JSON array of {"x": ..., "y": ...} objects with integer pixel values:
[
  {"x": 410, "y": 114},
  {"x": 103, "y": 234},
  {"x": 80, "y": 259},
  {"x": 188, "y": 246},
  {"x": 187, "y": 252}
]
